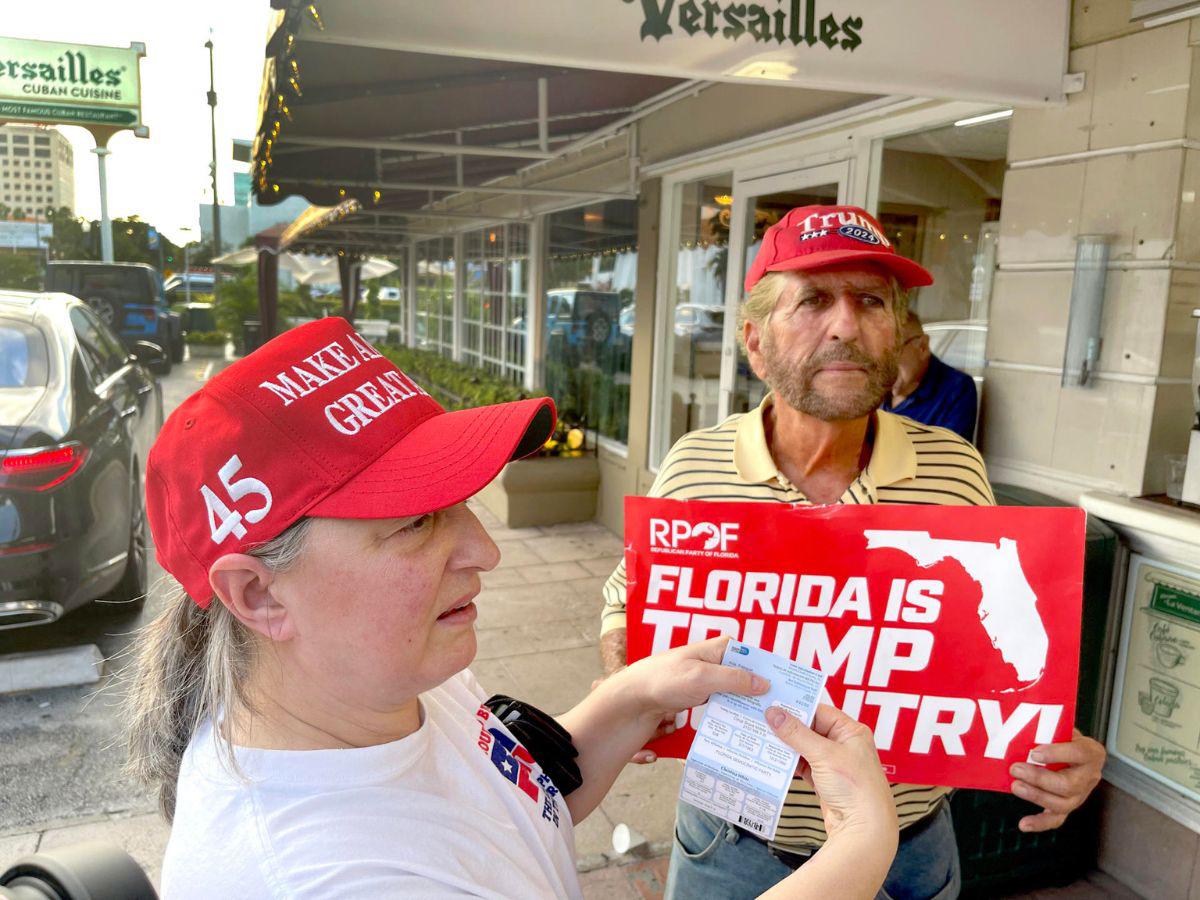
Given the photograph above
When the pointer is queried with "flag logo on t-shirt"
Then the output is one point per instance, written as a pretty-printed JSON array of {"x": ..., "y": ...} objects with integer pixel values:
[{"x": 516, "y": 764}]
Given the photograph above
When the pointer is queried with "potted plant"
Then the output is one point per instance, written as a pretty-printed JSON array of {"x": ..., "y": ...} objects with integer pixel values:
[
  {"x": 557, "y": 485},
  {"x": 207, "y": 344}
]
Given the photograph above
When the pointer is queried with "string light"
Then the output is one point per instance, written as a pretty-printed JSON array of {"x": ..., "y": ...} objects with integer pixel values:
[
  {"x": 376, "y": 195},
  {"x": 614, "y": 251},
  {"x": 316, "y": 16}
]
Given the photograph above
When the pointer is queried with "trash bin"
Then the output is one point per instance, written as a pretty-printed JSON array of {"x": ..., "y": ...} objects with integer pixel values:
[
  {"x": 251, "y": 335},
  {"x": 997, "y": 857},
  {"x": 199, "y": 317}
]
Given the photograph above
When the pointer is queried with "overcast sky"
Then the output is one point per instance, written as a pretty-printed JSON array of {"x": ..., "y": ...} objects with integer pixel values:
[{"x": 165, "y": 178}]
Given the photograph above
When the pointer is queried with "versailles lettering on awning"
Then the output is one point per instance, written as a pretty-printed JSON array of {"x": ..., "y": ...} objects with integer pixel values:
[{"x": 794, "y": 25}]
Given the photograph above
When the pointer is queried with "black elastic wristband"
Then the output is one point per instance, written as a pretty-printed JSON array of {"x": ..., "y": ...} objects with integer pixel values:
[{"x": 546, "y": 740}]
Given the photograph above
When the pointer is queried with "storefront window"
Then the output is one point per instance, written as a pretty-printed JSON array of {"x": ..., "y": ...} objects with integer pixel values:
[
  {"x": 591, "y": 274},
  {"x": 435, "y": 295},
  {"x": 495, "y": 287},
  {"x": 391, "y": 298},
  {"x": 695, "y": 314},
  {"x": 939, "y": 202}
]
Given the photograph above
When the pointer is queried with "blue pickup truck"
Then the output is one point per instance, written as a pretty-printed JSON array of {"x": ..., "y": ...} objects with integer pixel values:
[{"x": 128, "y": 297}]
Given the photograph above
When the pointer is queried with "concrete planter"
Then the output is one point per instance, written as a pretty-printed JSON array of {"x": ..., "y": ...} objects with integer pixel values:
[
  {"x": 544, "y": 491},
  {"x": 206, "y": 351}
]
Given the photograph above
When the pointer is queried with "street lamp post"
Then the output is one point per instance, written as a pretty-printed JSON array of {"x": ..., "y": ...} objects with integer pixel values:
[
  {"x": 187, "y": 265},
  {"x": 106, "y": 241},
  {"x": 216, "y": 210}
]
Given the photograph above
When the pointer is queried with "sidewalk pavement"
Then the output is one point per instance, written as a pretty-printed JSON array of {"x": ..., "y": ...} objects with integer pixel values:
[{"x": 539, "y": 617}]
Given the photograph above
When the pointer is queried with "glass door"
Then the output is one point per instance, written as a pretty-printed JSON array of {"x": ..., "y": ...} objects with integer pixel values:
[
  {"x": 758, "y": 203},
  {"x": 690, "y": 331}
]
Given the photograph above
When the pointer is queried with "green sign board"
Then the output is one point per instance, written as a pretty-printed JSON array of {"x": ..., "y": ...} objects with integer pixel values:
[
  {"x": 1174, "y": 602},
  {"x": 74, "y": 84}
]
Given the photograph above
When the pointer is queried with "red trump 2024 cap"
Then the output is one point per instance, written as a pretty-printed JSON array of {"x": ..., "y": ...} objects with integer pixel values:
[
  {"x": 316, "y": 423},
  {"x": 814, "y": 237}
]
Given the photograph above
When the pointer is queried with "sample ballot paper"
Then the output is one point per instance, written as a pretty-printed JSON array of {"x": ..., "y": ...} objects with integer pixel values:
[{"x": 737, "y": 768}]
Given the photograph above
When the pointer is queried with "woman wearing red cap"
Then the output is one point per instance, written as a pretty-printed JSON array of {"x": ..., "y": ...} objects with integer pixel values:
[{"x": 305, "y": 709}]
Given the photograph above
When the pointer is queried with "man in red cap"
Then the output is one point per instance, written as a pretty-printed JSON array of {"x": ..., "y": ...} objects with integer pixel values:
[{"x": 821, "y": 325}]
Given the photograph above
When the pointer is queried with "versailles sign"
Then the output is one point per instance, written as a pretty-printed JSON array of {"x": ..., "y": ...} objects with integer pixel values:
[
  {"x": 74, "y": 84},
  {"x": 794, "y": 24}
]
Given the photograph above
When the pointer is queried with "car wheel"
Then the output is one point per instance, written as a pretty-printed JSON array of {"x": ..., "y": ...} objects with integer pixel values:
[
  {"x": 129, "y": 595},
  {"x": 598, "y": 327},
  {"x": 177, "y": 350},
  {"x": 164, "y": 368},
  {"x": 107, "y": 310}
]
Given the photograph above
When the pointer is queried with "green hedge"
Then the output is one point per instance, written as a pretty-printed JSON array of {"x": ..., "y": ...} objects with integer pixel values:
[
  {"x": 207, "y": 338},
  {"x": 588, "y": 394},
  {"x": 454, "y": 385}
]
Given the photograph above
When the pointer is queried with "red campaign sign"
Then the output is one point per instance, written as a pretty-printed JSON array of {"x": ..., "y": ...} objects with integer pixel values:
[{"x": 952, "y": 631}]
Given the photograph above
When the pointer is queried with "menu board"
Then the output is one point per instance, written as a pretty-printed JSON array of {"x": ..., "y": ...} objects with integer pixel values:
[{"x": 1155, "y": 725}]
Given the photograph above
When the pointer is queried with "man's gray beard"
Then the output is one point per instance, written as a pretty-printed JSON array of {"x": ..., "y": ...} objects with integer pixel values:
[{"x": 792, "y": 382}]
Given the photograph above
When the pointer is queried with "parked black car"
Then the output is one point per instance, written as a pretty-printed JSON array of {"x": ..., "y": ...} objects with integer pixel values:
[
  {"x": 78, "y": 413},
  {"x": 128, "y": 298}
]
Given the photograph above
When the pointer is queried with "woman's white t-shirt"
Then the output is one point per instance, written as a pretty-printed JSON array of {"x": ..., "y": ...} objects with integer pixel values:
[{"x": 458, "y": 807}]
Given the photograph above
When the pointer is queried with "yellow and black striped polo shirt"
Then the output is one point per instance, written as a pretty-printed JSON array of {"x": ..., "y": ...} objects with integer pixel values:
[{"x": 910, "y": 464}]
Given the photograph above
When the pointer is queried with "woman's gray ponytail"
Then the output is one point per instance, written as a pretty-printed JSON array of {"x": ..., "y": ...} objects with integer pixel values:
[{"x": 191, "y": 665}]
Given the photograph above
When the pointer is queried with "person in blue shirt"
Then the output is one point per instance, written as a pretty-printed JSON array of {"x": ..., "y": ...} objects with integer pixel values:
[{"x": 929, "y": 391}]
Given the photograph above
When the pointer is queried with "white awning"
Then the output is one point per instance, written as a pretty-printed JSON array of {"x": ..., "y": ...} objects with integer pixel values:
[
  {"x": 308, "y": 269},
  {"x": 1012, "y": 51}
]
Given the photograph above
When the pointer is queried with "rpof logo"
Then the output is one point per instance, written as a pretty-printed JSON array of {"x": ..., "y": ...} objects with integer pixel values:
[{"x": 680, "y": 534}]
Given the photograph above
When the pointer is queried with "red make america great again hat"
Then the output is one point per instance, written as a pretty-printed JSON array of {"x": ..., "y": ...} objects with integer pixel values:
[
  {"x": 316, "y": 423},
  {"x": 814, "y": 237}
]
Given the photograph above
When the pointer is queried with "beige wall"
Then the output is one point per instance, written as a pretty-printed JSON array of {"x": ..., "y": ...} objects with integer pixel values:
[
  {"x": 1142, "y": 848},
  {"x": 1140, "y": 103}
]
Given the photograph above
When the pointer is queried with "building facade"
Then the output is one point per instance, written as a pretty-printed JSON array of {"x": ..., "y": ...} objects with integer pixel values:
[
  {"x": 243, "y": 220},
  {"x": 37, "y": 170}
]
